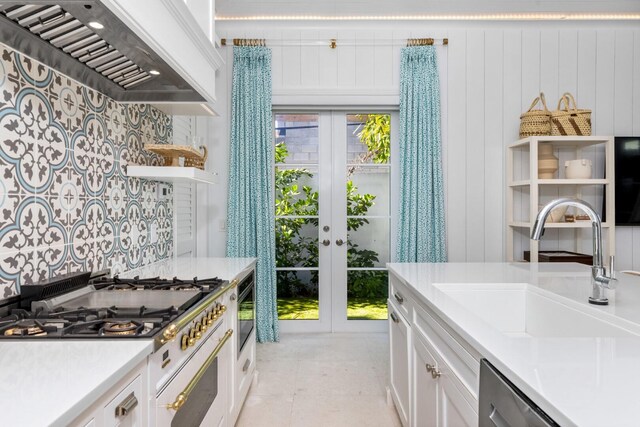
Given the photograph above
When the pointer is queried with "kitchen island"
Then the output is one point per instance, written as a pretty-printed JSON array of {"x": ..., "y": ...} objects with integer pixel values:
[{"x": 578, "y": 362}]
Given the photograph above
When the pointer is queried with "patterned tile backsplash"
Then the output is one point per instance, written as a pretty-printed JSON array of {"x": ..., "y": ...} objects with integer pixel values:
[{"x": 65, "y": 202}]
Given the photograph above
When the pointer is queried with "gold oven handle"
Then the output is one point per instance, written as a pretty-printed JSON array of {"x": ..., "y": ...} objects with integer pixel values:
[{"x": 182, "y": 397}]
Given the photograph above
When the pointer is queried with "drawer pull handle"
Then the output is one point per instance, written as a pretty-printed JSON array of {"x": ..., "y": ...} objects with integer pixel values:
[
  {"x": 435, "y": 373},
  {"x": 246, "y": 365},
  {"x": 394, "y": 317},
  {"x": 429, "y": 368},
  {"x": 398, "y": 297},
  {"x": 127, "y": 405}
]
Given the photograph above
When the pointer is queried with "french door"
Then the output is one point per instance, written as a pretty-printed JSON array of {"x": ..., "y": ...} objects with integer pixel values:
[{"x": 333, "y": 181}]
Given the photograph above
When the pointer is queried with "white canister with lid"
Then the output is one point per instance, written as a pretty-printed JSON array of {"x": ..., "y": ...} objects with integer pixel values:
[{"x": 578, "y": 169}]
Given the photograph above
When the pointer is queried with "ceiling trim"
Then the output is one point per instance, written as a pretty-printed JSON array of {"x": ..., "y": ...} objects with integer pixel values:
[{"x": 555, "y": 16}]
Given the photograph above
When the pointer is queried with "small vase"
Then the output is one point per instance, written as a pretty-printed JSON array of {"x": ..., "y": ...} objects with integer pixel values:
[{"x": 547, "y": 162}]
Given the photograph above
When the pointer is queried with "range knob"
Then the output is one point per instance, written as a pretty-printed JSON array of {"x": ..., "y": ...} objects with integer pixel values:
[
  {"x": 184, "y": 342},
  {"x": 192, "y": 337},
  {"x": 212, "y": 316},
  {"x": 223, "y": 308},
  {"x": 205, "y": 323}
]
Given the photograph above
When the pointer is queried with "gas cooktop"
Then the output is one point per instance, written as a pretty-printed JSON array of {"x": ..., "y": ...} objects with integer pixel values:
[{"x": 75, "y": 306}]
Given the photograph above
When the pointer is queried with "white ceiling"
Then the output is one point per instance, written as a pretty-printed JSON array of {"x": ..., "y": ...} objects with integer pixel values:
[{"x": 247, "y": 8}]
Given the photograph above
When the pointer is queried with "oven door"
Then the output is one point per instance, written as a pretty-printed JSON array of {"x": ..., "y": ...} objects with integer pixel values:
[
  {"x": 246, "y": 311},
  {"x": 197, "y": 394}
]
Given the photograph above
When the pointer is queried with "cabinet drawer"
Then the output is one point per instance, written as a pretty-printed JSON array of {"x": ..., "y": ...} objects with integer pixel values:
[
  {"x": 463, "y": 364},
  {"x": 126, "y": 408},
  {"x": 399, "y": 294}
]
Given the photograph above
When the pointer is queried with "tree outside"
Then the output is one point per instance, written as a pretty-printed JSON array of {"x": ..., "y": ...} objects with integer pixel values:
[{"x": 297, "y": 238}]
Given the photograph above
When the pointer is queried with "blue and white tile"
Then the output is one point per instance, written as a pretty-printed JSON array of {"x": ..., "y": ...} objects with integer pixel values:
[
  {"x": 12, "y": 81},
  {"x": 51, "y": 261},
  {"x": 16, "y": 269},
  {"x": 67, "y": 102}
]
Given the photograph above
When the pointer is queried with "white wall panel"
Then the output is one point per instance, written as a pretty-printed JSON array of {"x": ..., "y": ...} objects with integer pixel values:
[
  {"x": 457, "y": 152},
  {"x": 493, "y": 151},
  {"x": 329, "y": 60},
  {"x": 475, "y": 167},
  {"x": 493, "y": 71},
  {"x": 365, "y": 56},
  {"x": 310, "y": 61}
]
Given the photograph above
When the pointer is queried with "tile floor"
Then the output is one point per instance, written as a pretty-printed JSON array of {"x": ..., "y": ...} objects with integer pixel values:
[{"x": 331, "y": 380}]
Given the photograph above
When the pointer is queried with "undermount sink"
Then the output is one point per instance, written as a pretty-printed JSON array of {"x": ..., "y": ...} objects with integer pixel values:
[{"x": 520, "y": 310}]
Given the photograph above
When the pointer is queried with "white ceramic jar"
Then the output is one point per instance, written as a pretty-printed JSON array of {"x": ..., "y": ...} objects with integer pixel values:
[{"x": 578, "y": 169}]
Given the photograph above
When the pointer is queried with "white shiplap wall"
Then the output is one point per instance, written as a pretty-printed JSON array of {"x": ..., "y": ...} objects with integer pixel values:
[{"x": 490, "y": 73}]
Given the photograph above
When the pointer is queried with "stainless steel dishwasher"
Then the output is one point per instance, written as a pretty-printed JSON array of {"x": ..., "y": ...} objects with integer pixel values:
[{"x": 501, "y": 404}]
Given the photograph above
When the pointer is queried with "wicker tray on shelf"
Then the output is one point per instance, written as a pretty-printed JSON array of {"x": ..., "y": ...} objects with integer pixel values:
[{"x": 172, "y": 154}]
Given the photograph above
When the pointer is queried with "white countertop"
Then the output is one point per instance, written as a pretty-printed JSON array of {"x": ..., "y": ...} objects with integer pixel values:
[
  {"x": 188, "y": 268},
  {"x": 51, "y": 382},
  {"x": 577, "y": 381}
]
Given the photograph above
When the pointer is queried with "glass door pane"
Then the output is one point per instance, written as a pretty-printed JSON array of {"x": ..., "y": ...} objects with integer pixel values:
[
  {"x": 368, "y": 214},
  {"x": 296, "y": 177}
]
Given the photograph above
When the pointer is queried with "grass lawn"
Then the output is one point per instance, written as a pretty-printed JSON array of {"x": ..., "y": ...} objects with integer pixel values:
[{"x": 307, "y": 308}]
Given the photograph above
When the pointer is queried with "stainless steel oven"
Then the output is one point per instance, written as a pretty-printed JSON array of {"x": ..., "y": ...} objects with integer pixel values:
[
  {"x": 246, "y": 310},
  {"x": 196, "y": 395}
]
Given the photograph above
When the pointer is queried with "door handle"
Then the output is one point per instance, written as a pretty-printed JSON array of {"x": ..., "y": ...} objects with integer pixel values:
[
  {"x": 339, "y": 242},
  {"x": 326, "y": 242}
]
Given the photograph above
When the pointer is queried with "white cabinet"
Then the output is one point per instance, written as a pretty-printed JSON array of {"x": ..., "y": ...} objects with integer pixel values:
[
  {"x": 425, "y": 389},
  {"x": 126, "y": 408},
  {"x": 453, "y": 408},
  {"x": 399, "y": 342},
  {"x": 437, "y": 397},
  {"x": 124, "y": 405},
  {"x": 434, "y": 376}
]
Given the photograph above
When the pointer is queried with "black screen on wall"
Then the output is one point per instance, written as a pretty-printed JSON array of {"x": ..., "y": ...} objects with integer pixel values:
[{"x": 627, "y": 162}]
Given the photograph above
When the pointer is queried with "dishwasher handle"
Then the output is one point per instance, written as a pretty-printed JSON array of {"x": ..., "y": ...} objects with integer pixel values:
[{"x": 496, "y": 418}]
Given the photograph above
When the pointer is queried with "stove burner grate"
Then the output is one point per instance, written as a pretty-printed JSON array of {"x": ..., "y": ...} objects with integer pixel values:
[{"x": 125, "y": 284}]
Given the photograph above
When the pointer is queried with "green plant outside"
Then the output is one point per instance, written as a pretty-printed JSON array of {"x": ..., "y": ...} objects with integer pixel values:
[{"x": 297, "y": 241}]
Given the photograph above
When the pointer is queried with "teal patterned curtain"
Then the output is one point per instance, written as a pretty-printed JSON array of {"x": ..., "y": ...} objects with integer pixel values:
[
  {"x": 250, "y": 217},
  {"x": 421, "y": 230}
]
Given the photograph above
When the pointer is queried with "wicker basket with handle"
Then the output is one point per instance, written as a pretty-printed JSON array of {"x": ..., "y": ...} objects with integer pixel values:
[
  {"x": 570, "y": 121},
  {"x": 172, "y": 154},
  {"x": 536, "y": 122}
]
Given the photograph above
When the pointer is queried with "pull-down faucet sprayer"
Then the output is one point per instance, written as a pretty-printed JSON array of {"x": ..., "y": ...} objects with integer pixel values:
[{"x": 599, "y": 278}]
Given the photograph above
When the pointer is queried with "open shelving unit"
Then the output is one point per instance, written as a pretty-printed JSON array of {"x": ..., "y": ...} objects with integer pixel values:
[{"x": 526, "y": 192}]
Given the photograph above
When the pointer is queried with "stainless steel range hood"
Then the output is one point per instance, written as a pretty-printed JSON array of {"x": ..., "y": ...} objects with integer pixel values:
[{"x": 87, "y": 42}]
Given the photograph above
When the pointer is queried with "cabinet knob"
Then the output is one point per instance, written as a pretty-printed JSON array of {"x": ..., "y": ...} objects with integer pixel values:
[
  {"x": 398, "y": 297},
  {"x": 326, "y": 242},
  {"x": 435, "y": 373},
  {"x": 394, "y": 317},
  {"x": 339, "y": 242},
  {"x": 429, "y": 368}
]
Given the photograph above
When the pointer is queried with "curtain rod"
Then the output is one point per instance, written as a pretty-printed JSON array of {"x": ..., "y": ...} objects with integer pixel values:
[{"x": 333, "y": 43}]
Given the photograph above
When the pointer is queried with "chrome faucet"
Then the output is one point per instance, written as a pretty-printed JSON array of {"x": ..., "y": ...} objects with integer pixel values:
[{"x": 599, "y": 278}]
